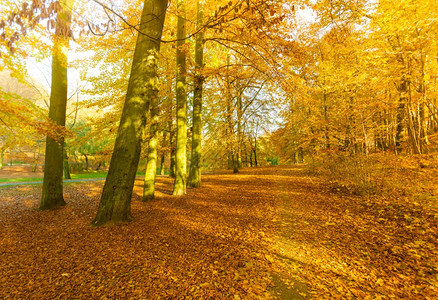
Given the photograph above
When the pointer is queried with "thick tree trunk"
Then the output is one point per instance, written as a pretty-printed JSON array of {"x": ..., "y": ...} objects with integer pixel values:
[
  {"x": 115, "y": 202},
  {"x": 151, "y": 167},
  {"x": 195, "y": 164},
  {"x": 52, "y": 192},
  {"x": 179, "y": 187}
]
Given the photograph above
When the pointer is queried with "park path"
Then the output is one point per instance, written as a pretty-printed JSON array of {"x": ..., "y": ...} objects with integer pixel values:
[{"x": 331, "y": 244}]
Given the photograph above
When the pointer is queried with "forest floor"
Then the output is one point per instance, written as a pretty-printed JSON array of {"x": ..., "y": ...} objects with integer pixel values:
[
  {"x": 267, "y": 232},
  {"x": 20, "y": 171}
]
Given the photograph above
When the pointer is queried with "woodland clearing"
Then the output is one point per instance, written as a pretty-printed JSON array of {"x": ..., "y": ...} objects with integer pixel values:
[{"x": 267, "y": 232}]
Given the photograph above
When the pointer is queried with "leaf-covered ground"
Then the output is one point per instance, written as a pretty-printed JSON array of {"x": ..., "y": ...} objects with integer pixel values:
[{"x": 264, "y": 233}]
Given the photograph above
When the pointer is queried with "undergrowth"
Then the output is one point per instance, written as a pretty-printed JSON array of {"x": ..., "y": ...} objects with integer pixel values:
[{"x": 410, "y": 176}]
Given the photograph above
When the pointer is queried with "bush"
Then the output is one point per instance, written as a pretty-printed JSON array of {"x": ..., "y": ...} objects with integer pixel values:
[
  {"x": 378, "y": 173},
  {"x": 357, "y": 174}
]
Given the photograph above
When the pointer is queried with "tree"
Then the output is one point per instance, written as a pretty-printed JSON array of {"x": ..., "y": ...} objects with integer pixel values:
[
  {"x": 152, "y": 156},
  {"x": 179, "y": 187},
  {"x": 52, "y": 193},
  {"x": 195, "y": 161},
  {"x": 115, "y": 202}
]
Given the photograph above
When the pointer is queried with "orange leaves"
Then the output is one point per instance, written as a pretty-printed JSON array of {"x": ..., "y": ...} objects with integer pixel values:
[{"x": 210, "y": 243}]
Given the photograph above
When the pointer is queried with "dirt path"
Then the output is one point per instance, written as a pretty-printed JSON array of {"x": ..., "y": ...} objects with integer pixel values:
[
  {"x": 353, "y": 247},
  {"x": 264, "y": 233}
]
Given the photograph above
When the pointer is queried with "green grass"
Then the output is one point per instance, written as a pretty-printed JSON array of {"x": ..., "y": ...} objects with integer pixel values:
[
  {"x": 89, "y": 175},
  {"x": 20, "y": 179},
  {"x": 73, "y": 176}
]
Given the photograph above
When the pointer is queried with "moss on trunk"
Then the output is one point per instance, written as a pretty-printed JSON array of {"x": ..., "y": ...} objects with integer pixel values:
[
  {"x": 179, "y": 187},
  {"x": 195, "y": 163},
  {"x": 115, "y": 203},
  {"x": 151, "y": 167}
]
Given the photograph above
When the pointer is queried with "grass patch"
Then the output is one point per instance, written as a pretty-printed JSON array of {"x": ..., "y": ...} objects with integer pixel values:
[
  {"x": 89, "y": 175},
  {"x": 20, "y": 179},
  {"x": 73, "y": 176}
]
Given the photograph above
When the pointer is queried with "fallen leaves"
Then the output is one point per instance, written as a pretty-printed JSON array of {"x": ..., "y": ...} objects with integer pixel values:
[
  {"x": 191, "y": 246},
  {"x": 234, "y": 238},
  {"x": 350, "y": 246}
]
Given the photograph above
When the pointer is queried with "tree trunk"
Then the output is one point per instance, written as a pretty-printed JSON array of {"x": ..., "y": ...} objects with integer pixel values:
[
  {"x": 2, "y": 155},
  {"x": 163, "y": 155},
  {"x": 172, "y": 153},
  {"x": 52, "y": 191},
  {"x": 115, "y": 202},
  {"x": 195, "y": 164},
  {"x": 239, "y": 131},
  {"x": 235, "y": 162},
  {"x": 86, "y": 162},
  {"x": 400, "y": 115},
  {"x": 232, "y": 159},
  {"x": 327, "y": 130},
  {"x": 151, "y": 167},
  {"x": 179, "y": 187},
  {"x": 255, "y": 151},
  {"x": 65, "y": 165}
]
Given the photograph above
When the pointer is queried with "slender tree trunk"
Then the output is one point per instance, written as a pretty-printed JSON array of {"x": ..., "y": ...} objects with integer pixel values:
[
  {"x": 52, "y": 192},
  {"x": 400, "y": 115},
  {"x": 195, "y": 164},
  {"x": 163, "y": 154},
  {"x": 151, "y": 167},
  {"x": 327, "y": 135},
  {"x": 231, "y": 137},
  {"x": 115, "y": 202},
  {"x": 2, "y": 155},
  {"x": 255, "y": 151},
  {"x": 65, "y": 165},
  {"x": 412, "y": 132},
  {"x": 86, "y": 161},
  {"x": 424, "y": 141},
  {"x": 179, "y": 187},
  {"x": 235, "y": 162},
  {"x": 239, "y": 130},
  {"x": 172, "y": 153}
]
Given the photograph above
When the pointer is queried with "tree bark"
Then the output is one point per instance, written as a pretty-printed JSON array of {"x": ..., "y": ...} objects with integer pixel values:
[
  {"x": 2, "y": 153},
  {"x": 151, "y": 167},
  {"x": 163, "y": 154},
  {"x": 179, "y": 187},
  {"x": 65, "y": 164},
  {"x": 115, "y": 203},
  {"x": 52, "y": 191},
  {"x": 402, "y": 88},
  {"x": 172, "y": 153},
  {"x": 195, "y": 163}
]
